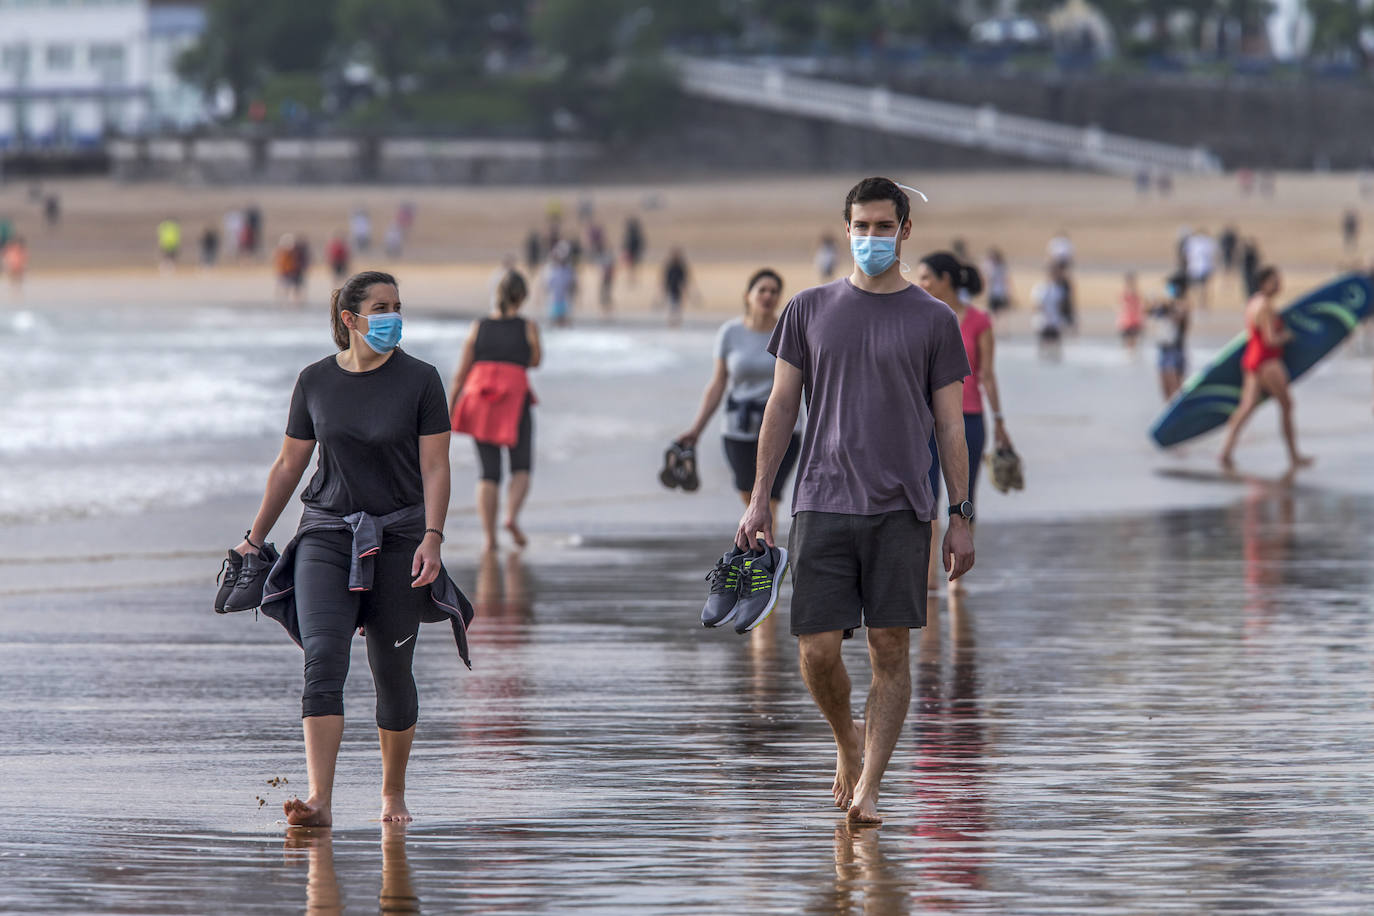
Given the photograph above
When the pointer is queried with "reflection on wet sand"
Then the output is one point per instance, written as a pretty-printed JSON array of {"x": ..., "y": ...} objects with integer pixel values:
[
  {"x": 398, "y": 886},
  {"x": 951, "y": 815},
  {"x": 866, "y": 880},
  {"x": 323, "y": 893}
]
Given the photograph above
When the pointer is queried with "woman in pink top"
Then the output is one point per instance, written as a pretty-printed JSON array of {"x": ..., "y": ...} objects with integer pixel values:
[{"x": 951, "y": 281}]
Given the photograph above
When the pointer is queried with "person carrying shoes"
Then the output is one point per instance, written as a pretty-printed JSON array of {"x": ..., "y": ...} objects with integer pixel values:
[
  {"x": 366, "y": 554},
  {"x": 882, "y": 364}
]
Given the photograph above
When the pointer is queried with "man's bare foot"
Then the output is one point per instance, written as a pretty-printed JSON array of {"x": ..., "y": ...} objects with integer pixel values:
[
  {"x": 394, "y": 810},
  {"x": 864, "y": 811},
  {"x": 516, "y": 534},
  {"x": 1302, "y": 461},
  {"x": 308, "y": 813},
  {"x": 849, "y": 763}
]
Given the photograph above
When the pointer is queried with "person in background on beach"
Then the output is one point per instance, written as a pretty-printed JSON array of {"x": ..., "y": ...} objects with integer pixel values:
[
  {"x": 999, "y": 282},
  {"x": 252, "y": 230},
  {"x": 1350, "y": 230},
  {"x": 862, "y": 502},
  {"x": 1143, "y": 181},
  {"x": 743, "y": 379},
  {"x": 825, "y": 257},
  {"x": 14, "y": 258},
  {"x": 1171, "y": 318},
  {"x": 380, "y": 493},
  {"x": 1060, "y": 250},
  {"x": 169, "y": 243},
  {"x": 360, "y": 228},
  {"x": 1250, "y": 266},
  {"x": 1130, "y": 319},
  {"x": 1265, "y": 372},
  {"x": 603, "y": 259},
  {"x": 1200, "y": 257},
  {"x": 1050, "y": 297},
  {"x": 1228, "y": 243},
  {"x": 337, "y": 256},
  {"x": 52, "y": 210},
  {"x": 232, "y": 233},
  {"x": 491, "y": 399},
  {"x": 949, "y": 279},
  {"x": 632, "y": 248},
  {"x": 304, "y": 256},
  {"x": 393, "y": 241},
  {"x": 209, "y": 246},
  {"x": 286, "y": 261},
  {"x": 560, "y": 285},
  {"x": 677, "y": 279},
  {"x": 534, "y": 251}
]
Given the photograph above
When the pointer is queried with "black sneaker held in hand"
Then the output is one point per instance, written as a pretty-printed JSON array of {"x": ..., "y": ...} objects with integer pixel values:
[
  {"x": 247, "y": 592},
  {"x": 227, "y": 578}
]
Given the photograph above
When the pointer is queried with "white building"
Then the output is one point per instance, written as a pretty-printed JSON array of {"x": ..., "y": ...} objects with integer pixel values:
[{"x": 75, "y": 71}]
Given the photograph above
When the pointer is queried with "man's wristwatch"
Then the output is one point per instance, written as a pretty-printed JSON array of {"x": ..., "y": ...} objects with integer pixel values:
[{"x": 964, "y": 510}]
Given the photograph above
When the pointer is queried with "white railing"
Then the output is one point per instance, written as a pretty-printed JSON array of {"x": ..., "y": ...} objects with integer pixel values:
[{"x": 961, "y": 125}]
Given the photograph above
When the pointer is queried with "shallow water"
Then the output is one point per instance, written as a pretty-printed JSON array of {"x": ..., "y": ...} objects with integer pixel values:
[{"x": 1168, "y": 713}]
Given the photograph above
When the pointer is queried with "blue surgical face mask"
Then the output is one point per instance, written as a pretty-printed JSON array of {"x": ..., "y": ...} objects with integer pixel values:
[
  {"x": 383, "y": 331},
  {"x": 874, "y": 254}
]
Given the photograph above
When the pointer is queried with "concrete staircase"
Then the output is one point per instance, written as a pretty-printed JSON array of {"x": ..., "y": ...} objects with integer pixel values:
[{"x": 774, "y": 89}]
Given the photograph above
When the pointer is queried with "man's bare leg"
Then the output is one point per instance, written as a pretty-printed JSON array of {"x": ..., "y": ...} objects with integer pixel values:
[
  {"x": 825, "y": 675},
  {"x": 322, "y": 737},
  {"x": 888, "y": 700},
  {"x": 395, "y": 758}
]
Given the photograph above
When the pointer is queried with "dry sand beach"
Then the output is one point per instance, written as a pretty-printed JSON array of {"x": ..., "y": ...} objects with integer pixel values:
[{"x": 1155, "y": 695}]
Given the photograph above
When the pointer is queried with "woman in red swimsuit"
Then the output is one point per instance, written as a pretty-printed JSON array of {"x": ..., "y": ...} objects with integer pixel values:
[{"x": 1265, "y": 373}]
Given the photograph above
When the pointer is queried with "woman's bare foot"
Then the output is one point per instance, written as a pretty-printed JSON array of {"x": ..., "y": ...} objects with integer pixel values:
[
  {"x": 308, "y": 813},
  {"x": 864, "y": 811},
  {"x": 394, "y": 810},
  {"x": 516, "y": 534},
  {"x": 849, "y": 757},
  {"x": 489, "y": 545},
  {"x": 1228, "y": 464},
  {"x": 1301, "y": 461}
]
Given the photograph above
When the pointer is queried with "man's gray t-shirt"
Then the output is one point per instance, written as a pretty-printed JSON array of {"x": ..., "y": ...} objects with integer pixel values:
[
  {"x": 869, "y": 364},
  {"x": 750, "y": 367}
]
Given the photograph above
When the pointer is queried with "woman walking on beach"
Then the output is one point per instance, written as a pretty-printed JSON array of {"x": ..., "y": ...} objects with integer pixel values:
[
  {"x": 366, "y": 554},
  {"x": 1265, "y": 373},
  {"x": 945, "y": 277},
  {"x": 1172, "y": 318},
  {"x": 491, "y": 400},
  {"x": 743, "y": 379}
]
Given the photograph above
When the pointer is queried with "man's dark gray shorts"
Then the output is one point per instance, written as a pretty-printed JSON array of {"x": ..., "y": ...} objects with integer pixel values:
[{"x": 858, "y": 570}]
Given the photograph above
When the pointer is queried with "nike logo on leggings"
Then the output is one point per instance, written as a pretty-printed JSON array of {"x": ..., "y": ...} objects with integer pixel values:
[{"x": 402, "y": 642}]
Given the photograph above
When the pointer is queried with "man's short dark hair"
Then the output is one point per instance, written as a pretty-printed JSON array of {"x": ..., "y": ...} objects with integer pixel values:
[{"x": 874, "y": 189}]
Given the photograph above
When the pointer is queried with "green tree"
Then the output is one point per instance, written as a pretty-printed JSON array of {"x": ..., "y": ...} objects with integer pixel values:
[
  {"x": 246, "y": 41},
  {"x": 1336, "y": 28},
  {"x": 399, "y": 38}
]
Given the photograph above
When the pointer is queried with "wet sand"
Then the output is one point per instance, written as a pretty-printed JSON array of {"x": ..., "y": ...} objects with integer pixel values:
[
  {"x": 1168, "y": 713},
  {"x": 1153, "y": 698}
]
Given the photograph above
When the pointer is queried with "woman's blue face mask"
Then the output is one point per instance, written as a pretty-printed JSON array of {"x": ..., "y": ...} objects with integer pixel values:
[{"x": 383, "y": 331}]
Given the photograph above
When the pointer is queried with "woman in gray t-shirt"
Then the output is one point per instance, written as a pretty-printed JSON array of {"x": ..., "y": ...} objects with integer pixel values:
[{"x": 743, "y": 379}]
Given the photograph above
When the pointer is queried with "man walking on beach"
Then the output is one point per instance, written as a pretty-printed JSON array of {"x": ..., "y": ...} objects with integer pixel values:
[{"x": 881, "y": 362}]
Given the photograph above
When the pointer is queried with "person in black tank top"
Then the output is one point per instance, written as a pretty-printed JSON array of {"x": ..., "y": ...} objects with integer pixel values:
[{"x": 503, "y": 337}]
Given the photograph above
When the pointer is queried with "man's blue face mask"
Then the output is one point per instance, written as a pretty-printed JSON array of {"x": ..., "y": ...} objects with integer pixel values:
[
  {"x": 874, "y": 254},
  {"x": 383, "y": 331}
]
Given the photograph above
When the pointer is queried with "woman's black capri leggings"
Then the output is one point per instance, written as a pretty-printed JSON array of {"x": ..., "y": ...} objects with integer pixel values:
[
  {"x": 521, "y": 455},
  {"x": 329, "y": 614},
  {"x": 742, "y": 456}
]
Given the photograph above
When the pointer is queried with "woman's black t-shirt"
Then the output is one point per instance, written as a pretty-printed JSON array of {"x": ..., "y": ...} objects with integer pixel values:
[{"x": 368, "y": 426}]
